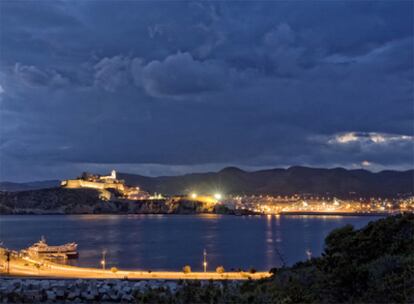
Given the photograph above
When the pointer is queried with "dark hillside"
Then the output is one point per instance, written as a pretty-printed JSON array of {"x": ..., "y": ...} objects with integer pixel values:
[{"x": 295, "y": 180}]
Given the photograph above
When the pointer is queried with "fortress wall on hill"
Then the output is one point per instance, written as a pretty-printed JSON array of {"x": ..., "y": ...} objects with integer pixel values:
[{"x": 77, "y": 183}]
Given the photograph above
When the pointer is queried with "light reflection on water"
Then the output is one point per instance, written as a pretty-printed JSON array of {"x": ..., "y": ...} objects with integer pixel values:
[{"x": 172, "y": 241}]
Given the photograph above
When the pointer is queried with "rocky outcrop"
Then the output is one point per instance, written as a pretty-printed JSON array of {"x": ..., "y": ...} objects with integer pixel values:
[
  {"x": 88, "y": 201},
  {"x": 55, "y": 200}
]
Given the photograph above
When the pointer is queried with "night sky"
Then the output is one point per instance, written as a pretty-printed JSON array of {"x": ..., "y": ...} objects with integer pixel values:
[{"x": 161, "y": 88}]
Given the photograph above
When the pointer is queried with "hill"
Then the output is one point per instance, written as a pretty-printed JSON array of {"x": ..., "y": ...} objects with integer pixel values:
[
  {"x": 294, "y": 180},
  {"x": 338, "y": 182},
  {"x": 88, "y": 201},
  {"x": 11, "y": 186}
]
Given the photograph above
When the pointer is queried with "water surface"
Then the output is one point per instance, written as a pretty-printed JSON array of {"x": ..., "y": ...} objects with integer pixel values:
[{"x": 171, "y": 241}]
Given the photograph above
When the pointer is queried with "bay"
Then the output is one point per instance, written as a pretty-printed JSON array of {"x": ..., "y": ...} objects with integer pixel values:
[{"x": 168, "y": 242}]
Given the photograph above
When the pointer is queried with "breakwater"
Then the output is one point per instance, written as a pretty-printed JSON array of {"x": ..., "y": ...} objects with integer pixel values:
[{"x": 90, "y": 291}]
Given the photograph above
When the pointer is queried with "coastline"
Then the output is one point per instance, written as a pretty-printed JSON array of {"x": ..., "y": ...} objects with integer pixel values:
[
  {"x": 219, "y": 214},
  {"x": 25, "y": 266},
  {"x": 341, "y": 213},
  {"x": 62, "y": 201}
]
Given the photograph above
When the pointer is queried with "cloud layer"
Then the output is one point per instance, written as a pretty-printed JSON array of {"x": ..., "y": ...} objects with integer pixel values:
[{"x": 189, "y": 86}]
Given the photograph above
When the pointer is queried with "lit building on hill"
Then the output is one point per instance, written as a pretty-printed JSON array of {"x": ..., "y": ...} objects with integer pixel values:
[
  {"x": 111, "y": 177},
  {"x": 104, "y": 183}
]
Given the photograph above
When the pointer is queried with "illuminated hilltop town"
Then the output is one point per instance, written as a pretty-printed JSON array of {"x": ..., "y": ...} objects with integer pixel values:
[
  {"x": 110, "y": 187},
  {"x": 106, "y": 184}
]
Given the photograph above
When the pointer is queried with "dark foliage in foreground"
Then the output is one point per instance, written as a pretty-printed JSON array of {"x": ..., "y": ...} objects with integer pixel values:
[{"x": 372, "y": 265}]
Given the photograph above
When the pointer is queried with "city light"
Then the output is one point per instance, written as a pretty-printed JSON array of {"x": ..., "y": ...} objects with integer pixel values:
[
  {"x": 217, "y": 196},
  {"x": 193, "y": 195},
  {"x": 315, "y": 204}
]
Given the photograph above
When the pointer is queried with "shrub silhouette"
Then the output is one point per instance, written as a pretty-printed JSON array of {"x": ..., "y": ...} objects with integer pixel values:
[{"x": 187, "y": 269}]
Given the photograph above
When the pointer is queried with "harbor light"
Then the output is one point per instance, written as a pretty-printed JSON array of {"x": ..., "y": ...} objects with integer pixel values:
[{"x": 217, "y": 196}]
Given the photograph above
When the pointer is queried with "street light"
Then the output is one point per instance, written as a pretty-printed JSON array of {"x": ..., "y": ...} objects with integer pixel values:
[
  {"x": 205, "y": 260},
  {"x": 217, "y": 196},
  {"x": 193, "y": 195},
  {"x": 103, "y": 261},
  {"x": 309, "y": 254},
  {"x": 8, "y": 261}
]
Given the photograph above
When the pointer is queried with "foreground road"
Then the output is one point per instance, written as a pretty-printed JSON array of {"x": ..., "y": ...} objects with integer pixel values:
[{"x": 35, "y": 268}]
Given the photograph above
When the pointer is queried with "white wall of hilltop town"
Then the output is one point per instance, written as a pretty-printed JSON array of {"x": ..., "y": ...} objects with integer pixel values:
[
  {"x": 79, "y": 183},
  {"x": 102, "y": 183}
]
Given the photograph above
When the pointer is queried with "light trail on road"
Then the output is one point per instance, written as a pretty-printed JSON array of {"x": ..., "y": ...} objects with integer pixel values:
[{"x": 25, "y": 266}]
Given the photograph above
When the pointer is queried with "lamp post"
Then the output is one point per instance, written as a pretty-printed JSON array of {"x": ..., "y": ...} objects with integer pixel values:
[
  {"x": 205, "y": 260},
  {"x": 309, "y": 254},
  {"x": 103, "y": 261},
  {"x": 8, "y": 261}
]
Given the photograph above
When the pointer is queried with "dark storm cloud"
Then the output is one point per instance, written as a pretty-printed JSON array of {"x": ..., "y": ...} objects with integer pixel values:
[
  {"x": 33, "y": 76},
  {"x": 113, "y": 73},
  {"x": 181, "y": 74},
  {"x": 176, "y": 76},
  {"x": 163, "y": 88}
]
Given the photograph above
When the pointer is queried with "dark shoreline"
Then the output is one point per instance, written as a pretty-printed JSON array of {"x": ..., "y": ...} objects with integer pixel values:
[
  {"x": 223, "y": 214},
  {"x": 341, "y": 213}
]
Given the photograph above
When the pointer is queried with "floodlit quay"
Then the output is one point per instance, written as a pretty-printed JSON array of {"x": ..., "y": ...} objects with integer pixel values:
[
  {"x": 24, "y": 266},
  {"x": 296, "y": 204}
]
